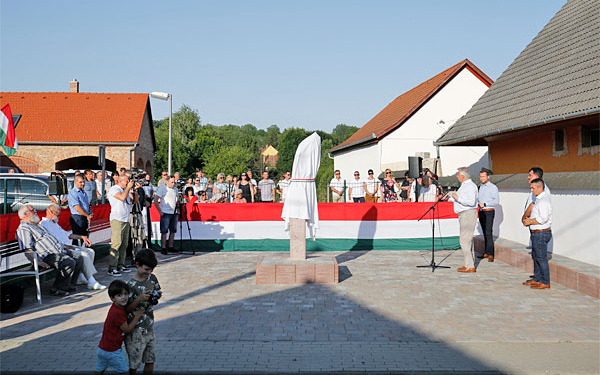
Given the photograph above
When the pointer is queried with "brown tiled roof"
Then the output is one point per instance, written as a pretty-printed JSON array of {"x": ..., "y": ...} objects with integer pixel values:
[
  {"x": 50, "y": 117},
  {"x": 404, "y": 106},
  {"x": 556, "y": 77}
]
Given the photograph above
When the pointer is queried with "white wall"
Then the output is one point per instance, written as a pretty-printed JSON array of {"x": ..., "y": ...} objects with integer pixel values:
[
  {"x": 575, "y": 224},
  {"x": 454, "y": 157}
]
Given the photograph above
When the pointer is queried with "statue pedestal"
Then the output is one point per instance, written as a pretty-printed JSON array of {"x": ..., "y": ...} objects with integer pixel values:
[
  {"x": 278, "y": 268},
  {"x": 297, "y": 239}
]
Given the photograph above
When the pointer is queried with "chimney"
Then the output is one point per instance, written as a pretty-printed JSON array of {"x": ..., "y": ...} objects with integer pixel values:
[{"x": 74, "y": 85}]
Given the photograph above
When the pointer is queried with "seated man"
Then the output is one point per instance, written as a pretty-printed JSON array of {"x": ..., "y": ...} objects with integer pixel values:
[
  {"x": 50, "y": 223},
  {"x": 49, "y": 250}
]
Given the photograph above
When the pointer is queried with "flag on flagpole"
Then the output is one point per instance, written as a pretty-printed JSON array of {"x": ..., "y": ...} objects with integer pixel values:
[{"x": 8, "y": 138}]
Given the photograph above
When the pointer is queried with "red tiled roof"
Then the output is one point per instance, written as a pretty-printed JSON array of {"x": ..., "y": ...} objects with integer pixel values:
[
  {"x": 77, "y": 117},
  {"x": 404, "y": 106}
]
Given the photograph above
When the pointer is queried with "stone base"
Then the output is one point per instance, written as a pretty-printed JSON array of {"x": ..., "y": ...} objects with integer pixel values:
[{"x": 278, "y": 268}]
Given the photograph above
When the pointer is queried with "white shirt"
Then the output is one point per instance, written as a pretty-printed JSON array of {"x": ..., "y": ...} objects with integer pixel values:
[
  {"x": 531, "y": 198},
  {"x": 168, "y": 199},
  {"x": 337, "y": 184},
  {"x": 372, "y": 186},
  {"x": 56, "y": 231},
  {"x": 283, "y": 186},
  {"x": 427, "y": 194},
  {"x": 119, "y": 210},
  {"x": 358, "y": 188},
  {"x": 542, "y": 212},
  {"x": 467, "y": 197}
]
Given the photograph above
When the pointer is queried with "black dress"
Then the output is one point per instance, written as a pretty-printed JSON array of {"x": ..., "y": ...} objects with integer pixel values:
[{"x": 246, "y": 192}]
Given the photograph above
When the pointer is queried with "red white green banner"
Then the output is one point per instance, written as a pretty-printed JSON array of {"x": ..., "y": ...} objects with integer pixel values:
[{"x": 342, "y": 227}]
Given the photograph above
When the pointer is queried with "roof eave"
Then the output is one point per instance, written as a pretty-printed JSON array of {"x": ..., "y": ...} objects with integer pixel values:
[
  {"x": 471, "y": 138},
  {"x": 368, "y": 139}
]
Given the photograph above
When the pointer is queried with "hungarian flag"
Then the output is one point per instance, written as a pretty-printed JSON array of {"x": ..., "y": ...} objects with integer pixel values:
[{"x": 8, "y": 138}]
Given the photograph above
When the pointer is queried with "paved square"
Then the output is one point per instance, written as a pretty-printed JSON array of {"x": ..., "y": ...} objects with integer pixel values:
[{"x": 384, "y": 316}]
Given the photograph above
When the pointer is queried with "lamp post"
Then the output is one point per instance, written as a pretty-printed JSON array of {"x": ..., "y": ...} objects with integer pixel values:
[{"x": 169, "y": 97}]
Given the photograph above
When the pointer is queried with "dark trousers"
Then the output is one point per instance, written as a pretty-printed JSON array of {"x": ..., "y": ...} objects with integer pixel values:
[
  {"x": 79, "y": 225},
  {"x": 539, "y": 249},
  {"x": 486, "y": 219},
  {"x": 68, "y": 265},
  {"x": 359, "y": 200}
]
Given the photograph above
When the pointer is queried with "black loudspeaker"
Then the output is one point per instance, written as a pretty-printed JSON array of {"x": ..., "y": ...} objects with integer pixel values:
[
  {"x": 57, "y": 184},
  {"x": 12, "y": 298},
  {"x": 415, "y": 166}
]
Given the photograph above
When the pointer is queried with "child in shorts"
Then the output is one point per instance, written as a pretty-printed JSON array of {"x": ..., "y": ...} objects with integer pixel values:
[
  {"x": 109, "y": 350},
  {"x": 144, "y": 292}
]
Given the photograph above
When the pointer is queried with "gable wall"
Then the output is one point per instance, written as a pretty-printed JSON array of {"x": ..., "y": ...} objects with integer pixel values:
[{"x": 418, "y": 133}]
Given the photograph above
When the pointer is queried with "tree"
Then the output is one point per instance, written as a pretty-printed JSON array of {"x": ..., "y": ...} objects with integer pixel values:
[
  {"x": 343, "y": 132},
  {"x": 229, "y": 160},
  {"x": 289, "y": 141}
]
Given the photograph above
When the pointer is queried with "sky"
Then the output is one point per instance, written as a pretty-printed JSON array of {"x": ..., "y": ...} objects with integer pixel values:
[{"x": 310, "y": 64}]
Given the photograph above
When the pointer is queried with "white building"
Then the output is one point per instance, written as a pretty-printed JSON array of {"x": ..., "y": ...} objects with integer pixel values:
[{"x": 410, "y": 124}]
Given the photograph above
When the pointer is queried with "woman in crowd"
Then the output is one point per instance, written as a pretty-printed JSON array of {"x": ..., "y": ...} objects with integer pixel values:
[
  {"x": 389, "y": 188},
  {"x": 202, "y": 197},
  {"x": 428, "y": 191},
  {"x": 209, "y": 188},
  {"x": 238, "y": 197},
  {"x": 189, "y": 195},
  {"x": 245, "y": 186},
  {"x": 372, "y": 188},
  {"x": 220, "y": 188}
]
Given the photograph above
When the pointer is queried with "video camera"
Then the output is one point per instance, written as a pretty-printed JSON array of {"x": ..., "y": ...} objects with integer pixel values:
[
  {"x": 180, "y": 184},
  {"x": 139, "y": 176}
]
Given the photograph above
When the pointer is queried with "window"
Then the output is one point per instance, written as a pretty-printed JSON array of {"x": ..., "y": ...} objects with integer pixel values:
[
  {"x": 590, "y": 139},
  {"x": 33, "y": 187},
  {"x": 560, "y": 143},
  {"x": 590, "y": 136}
]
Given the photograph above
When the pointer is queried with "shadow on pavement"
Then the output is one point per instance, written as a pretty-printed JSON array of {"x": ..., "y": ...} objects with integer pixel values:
[{"x": 310, "y": 328}]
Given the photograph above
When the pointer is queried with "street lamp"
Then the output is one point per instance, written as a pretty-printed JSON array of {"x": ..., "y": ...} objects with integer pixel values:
[{"x": 169, "y": 97}]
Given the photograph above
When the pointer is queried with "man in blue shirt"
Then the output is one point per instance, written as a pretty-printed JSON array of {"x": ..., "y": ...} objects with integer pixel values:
[
  {"x": 487, "y": 200},
  {"x": 81, "y": 213}
]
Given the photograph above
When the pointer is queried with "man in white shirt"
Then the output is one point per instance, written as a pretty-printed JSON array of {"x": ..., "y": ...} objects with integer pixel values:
[
  {"x": 283, "y": 186},
  {"x": 50, "y": 223},
  {"x": 120, "y": 207},
  {"x": 539, "y": 223},
  {"x": 465, "y": 205},
  {"x": 166, "y": 195},
  {"x": 357, "y": 189},
  {"x": 337, "y": 186}
]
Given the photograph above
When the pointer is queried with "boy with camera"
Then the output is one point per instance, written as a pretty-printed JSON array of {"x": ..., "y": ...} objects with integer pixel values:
[{"x": 144, "y": 291}]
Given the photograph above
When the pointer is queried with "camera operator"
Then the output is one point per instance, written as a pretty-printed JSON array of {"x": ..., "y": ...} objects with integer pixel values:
[
  {"x": 137, "y": 224},
  {"x": 120, "y": 197},
  {"x": 167, "y": 196}
]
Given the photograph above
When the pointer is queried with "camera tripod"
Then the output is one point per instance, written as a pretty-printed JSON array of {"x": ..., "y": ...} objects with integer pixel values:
[{"x": 182, "y": 213}]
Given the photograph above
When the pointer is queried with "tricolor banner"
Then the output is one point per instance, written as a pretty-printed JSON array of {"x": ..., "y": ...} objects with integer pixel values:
[
  {"x": 8, "y": 138},
  {"x": 343, "y": 227}
]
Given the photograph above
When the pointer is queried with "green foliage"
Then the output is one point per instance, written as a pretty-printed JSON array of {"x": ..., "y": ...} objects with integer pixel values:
[
  {"x": 288, "y": 142},
  {"x": 342, "y": 132},
  {"x": 229, "y": 160},
  {"x": 233, "y": 149}
]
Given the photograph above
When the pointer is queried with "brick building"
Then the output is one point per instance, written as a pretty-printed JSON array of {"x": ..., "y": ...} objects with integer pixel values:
[{"x": 62, "y": 130}]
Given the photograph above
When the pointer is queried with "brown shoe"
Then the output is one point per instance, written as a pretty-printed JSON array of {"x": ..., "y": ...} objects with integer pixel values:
[
  {"x": 540, "y": 286},
  {"x": 465, "y": 269},
  {"x": 530, "y": 282},
  {"x": 491, "y": 258},
  {"x": 483, "y": 256},
  {"x": 462, "y": 269}
]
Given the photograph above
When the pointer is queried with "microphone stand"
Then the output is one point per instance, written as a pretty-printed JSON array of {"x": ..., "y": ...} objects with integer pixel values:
[{"x": 432, "y": 264}]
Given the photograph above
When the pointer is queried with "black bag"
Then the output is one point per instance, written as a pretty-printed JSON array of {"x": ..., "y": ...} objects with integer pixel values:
[{"x": 12, "y": 298}]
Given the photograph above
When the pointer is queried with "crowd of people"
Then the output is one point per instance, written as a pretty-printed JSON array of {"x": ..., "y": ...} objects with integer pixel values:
[{"x": 422, "y": 189}]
